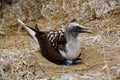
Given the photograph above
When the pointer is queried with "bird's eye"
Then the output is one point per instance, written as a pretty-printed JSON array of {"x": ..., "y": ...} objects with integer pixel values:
[
  {"x": 74, "y": 27},
  {"x": 77, "y": 27}
]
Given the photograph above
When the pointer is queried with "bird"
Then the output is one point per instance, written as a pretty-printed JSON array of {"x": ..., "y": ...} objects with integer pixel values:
[{"x": 61, "y": 47}]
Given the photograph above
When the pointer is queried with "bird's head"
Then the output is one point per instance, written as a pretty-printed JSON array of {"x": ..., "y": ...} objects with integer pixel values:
[{"x": 75, "y": 29}]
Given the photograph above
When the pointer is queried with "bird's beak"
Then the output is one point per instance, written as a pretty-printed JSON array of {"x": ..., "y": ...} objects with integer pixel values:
[{"x": 86, "y": 30}]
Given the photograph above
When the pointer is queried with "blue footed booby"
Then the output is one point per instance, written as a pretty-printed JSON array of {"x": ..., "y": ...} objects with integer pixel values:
[{"x": 59, "y": 46}]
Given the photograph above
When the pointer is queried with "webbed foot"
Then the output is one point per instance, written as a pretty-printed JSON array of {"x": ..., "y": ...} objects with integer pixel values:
[
  {"x": 67, "y": 63},
  {"x": 76, "y": 61}
]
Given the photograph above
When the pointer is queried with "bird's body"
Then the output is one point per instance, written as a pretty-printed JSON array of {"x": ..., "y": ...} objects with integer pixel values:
[{"x": 57, "y": 46}]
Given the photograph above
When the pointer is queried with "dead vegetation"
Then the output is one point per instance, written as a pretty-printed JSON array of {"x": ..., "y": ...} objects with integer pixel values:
[{"x": 20, "y": 57}]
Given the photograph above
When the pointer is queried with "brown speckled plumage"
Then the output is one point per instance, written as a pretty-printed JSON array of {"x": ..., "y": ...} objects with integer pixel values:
[{"x": 50, "y": 42}]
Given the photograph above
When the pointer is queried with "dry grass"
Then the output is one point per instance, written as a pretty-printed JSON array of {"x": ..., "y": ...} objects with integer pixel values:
[{"x": 20, "y": 57}]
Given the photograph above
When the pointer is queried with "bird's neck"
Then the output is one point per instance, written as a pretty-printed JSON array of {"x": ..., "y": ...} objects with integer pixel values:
[{"x": 70, "y": 37}]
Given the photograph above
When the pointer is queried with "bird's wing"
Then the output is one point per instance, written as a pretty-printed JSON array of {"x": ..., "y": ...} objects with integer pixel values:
[{"x": 57, "y": 39}]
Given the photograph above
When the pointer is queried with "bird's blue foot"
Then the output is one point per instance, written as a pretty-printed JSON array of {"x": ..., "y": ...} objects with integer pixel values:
[
  {"x": 67, "y": 63},
  {"x": 76, "y": 61}
]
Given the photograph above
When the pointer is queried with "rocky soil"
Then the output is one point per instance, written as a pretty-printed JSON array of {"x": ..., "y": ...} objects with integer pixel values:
[{"x": 20, "y": 56}]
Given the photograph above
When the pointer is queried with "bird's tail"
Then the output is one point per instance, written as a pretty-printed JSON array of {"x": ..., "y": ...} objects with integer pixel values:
[{"x": 32, "y": 32}]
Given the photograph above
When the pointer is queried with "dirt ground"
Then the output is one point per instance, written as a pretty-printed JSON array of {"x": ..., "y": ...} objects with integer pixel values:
[{"x": 21, "y": 59}]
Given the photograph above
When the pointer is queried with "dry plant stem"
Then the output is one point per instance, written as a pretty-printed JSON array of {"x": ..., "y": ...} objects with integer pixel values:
[
  {"x": 106, "y": 64},
  {"x": 114, "y": 41},
  {"x": 2, "y": 33}
]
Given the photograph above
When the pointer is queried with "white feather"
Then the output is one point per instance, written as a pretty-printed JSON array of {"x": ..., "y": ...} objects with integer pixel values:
[
  {"x": 30, "y": 31},
  {"x": 73, "y": 50}
]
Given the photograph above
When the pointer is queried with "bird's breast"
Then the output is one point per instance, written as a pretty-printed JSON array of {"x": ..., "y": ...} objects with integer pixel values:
[{"x": 73, "y": 50}]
